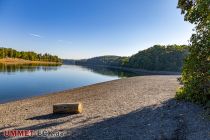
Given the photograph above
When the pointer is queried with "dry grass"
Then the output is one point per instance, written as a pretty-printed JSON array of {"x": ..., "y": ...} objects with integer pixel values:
[{"x": 22, "y": 61}]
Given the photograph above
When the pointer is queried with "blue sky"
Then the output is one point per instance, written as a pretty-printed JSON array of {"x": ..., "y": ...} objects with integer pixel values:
[{"x": 86, "y": 28}]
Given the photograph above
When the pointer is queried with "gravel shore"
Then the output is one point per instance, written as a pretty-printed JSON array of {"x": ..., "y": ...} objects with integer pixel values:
[{"x": 136, "y": 108}]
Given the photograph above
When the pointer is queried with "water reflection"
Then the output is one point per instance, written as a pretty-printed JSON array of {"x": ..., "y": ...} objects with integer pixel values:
[
  {"x": 22, "y": 81},
  {"x": 111, "y": 71},
  {"x": 12, "y": 68}
]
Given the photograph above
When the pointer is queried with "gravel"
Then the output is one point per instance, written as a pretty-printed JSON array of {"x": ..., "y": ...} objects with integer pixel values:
[{"x": 134, "y": 108}]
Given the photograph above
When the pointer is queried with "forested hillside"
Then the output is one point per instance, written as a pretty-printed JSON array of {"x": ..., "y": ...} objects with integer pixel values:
[
  {"x": 104, "y": 60},
  {"x": 158, "y": 57},
  {"x": 12, "y": 53}
]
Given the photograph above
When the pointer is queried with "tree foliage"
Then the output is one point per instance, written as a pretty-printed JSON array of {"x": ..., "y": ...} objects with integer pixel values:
[
  {"x": 162, "y": 58},
  {"x": 104, "y": 60},
  {"x": 196, "y": 69},
  {"x": 11, "y": 53}
]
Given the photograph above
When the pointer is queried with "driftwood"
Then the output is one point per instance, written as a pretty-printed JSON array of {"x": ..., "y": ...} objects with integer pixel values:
[{"x": 72, "y": 108}]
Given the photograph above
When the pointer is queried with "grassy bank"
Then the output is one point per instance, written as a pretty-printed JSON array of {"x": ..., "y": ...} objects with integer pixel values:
[{"x": 22, "y": 61}]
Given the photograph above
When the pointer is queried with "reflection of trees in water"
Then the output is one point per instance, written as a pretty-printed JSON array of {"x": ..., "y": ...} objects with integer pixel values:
[
  {"x": 27, "y": 67},
  {"x": 111, "y": 71}
]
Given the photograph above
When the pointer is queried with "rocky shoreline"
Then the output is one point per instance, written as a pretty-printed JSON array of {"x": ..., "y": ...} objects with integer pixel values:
[{"x": 141, "y": 107}]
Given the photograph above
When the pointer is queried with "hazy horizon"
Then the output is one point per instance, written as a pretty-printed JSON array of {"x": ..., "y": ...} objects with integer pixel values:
[{"x": 78, "y": 29}]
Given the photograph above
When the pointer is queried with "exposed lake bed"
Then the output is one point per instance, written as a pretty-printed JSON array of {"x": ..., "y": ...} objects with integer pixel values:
[{"x": 141, "y": 107}]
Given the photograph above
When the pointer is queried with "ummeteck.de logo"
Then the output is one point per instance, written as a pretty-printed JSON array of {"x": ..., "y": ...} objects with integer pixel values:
[
  {"x": 19, "y": 133},
  {"x": 32, "y": 133}
]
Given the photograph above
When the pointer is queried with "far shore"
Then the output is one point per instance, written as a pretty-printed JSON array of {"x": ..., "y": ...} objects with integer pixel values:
[{"x": 22, "y": 61}]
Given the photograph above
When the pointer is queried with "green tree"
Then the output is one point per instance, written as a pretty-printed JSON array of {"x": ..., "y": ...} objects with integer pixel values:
[
  {"x": 160, "y": 58},
  {"x": 11, "y": 53},
  {"x": 195, "y": 73}
]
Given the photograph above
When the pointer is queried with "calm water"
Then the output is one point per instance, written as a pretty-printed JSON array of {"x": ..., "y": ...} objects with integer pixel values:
[{"x": 22, "y": 81}]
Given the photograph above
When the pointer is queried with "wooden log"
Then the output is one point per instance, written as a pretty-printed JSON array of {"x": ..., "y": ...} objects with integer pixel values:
[{"x": 72, "y": 108}]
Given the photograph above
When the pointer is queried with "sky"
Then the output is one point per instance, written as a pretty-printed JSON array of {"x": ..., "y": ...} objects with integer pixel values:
[{"x": 76, "y": 29}]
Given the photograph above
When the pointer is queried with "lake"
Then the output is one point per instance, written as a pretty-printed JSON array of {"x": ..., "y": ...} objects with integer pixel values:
[{"x": 22, "y": 81}]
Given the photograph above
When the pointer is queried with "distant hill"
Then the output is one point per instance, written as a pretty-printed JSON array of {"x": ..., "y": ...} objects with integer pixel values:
[
  {"x": 110, "y": 60},
  {"x": 68, "y": 61},
  {"x": 156, "y": 58}
]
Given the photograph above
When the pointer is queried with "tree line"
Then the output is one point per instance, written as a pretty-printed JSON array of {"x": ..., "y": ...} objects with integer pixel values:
[
  {"x": 109, "y": 60},
  {"x": 30, "y": 55},
  {"x": 157, "y": 58}
]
